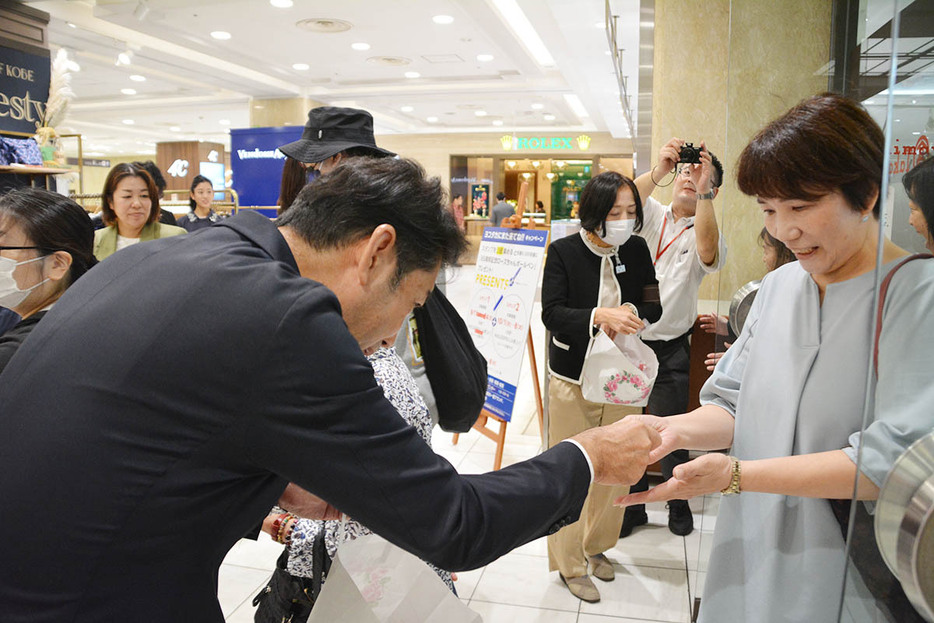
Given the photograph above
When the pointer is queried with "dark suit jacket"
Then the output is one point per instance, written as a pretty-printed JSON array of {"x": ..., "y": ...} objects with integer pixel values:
[
  {"x": 159, "y": 409},
  {"x": 570, "y": 290}
]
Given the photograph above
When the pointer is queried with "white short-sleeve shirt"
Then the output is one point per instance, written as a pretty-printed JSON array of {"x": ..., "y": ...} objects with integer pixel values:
[{"x": 678, "y": 267}]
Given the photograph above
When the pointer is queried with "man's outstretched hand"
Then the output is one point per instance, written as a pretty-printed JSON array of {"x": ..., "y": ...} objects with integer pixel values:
[{"x": 620, "y": 451}]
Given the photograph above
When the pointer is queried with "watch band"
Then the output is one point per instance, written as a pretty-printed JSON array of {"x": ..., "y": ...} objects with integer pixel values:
[
  {"x": 707, "y": 195},
  {"x": 736, "y": 473}
]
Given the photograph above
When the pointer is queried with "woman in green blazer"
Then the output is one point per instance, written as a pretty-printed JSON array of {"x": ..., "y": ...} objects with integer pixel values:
[{"x": 131, "y": 211}]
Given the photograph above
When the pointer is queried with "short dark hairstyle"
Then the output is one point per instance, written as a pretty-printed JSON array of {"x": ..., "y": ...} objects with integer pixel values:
[
  {"x": 457, "y": 196},
  {"x": 346, "y": 205},
  {"x": 199, "y": 179},
  {"x": 540, "y": 204},
  {"x": 52, "y": 222},
  {"x": 500, "y": 196},
  {"x": 826, "y": 143},
  {"x": 154, "y": 173},
  {"x": 919, "y": 184},
  {"x": 783, "y": 254},
  {"x": 116, "y": 175},
  {"x": 718, "y": 168},
  {"x": 598, "y": 197}
]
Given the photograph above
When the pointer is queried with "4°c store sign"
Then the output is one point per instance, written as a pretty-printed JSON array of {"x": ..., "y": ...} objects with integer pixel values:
[{"x": 511, "y": 142}]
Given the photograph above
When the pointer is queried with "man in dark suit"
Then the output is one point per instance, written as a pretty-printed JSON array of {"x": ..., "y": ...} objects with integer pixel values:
[{"x": 165, "y": 402}]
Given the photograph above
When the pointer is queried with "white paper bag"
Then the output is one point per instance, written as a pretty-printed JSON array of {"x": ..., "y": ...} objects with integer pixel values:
[
  {"x": 373, "y": 581},
  {"x": 619, "y": 372}
]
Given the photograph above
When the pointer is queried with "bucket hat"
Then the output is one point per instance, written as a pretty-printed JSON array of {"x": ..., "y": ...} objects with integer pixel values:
[{"x": 330, "y": 130}]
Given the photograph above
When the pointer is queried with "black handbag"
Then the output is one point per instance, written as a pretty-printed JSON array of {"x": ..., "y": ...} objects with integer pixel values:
[
  {"x": 288, "y": 598},
  {"x": 456, "y": 369}
]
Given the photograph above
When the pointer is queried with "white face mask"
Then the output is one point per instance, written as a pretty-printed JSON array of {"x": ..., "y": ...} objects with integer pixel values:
[
  {"x": 618, "y": 232},
  {"x": 10, "y": 294}
]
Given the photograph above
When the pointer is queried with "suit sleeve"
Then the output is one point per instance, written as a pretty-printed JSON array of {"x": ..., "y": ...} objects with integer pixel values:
[
  {"x": 323, "y": 423},
  {"x": 557, "y": 315}
]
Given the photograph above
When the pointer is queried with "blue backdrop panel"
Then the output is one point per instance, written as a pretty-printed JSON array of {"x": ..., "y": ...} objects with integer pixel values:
[{"x": 256, "y": 163}]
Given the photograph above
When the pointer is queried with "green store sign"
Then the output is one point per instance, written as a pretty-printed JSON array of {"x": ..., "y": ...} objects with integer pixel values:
[{"x": 553, "y": 143}]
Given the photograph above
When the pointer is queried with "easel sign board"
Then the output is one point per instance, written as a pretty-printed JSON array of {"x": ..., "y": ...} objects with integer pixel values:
[{"x": 508, "y": 267}]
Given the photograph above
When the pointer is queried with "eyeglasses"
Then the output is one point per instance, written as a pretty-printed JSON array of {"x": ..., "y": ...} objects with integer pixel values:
[
  {"x": 5, "y": 248},
  {"x": 685, "y": 170}
]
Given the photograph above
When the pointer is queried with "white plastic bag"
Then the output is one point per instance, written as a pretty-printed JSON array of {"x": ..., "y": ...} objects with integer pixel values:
[
  {"x": 618, "y": 372},
  {"x": 373, "y": 581}
]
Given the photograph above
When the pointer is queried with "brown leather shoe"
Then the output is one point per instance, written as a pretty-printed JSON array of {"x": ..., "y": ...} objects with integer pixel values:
[
  {"x": 582, "y": 587},
  {"x": 602, "y": 568}
]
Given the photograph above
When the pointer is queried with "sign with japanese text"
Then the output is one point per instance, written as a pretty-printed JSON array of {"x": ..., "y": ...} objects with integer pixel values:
[{"x": 508, "y": 267}]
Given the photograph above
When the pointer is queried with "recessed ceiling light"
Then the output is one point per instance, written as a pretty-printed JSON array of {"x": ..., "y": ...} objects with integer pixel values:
[
  {"x": 324, "y": 24},
  {"x": 432, "y": 120},
  {"x": 125, "y": 58},
  {"x": 301, "y": 66},
  {"x": 360, "y": 45},
  {"x": 224, "y": 121},
  {"x": 175, "y": 128},
  {"x": 128, "y": 121},
  {"x": 480, "y": 113},
  {"x": 412, "y": 74},
  {"x": 407, "y": 108},
  {"x": 137, "y": 78},
  {"x": 442, "y": 19},
  {"x": 221, "y": 35},
  {"x": 484, "y": 58},
  {"x": 549, "y": 117},
  {"x": 537, "y": 106},
  {"x": 497, "y": 122},
  {"x": 128, "y": 91},
  {"x": 281, "y": 4},
  {"x": 70, "y": 25}
]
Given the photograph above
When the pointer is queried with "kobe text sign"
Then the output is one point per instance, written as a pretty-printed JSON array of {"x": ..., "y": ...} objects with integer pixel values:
[
  {"x": 24, "y": 90},
  {"x": 508, "y": 267}
]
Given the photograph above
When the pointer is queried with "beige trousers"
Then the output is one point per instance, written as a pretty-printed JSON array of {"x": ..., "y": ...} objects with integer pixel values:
[{"x": 597, "y": 530}]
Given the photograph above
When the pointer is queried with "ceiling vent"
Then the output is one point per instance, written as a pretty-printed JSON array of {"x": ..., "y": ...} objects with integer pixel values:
[
  {"x": 443, "y": 58},
  {"x": 324, "y": 24}
]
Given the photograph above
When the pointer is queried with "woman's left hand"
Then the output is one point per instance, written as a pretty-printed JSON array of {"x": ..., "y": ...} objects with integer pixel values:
[{"x": 710, "y": 473}]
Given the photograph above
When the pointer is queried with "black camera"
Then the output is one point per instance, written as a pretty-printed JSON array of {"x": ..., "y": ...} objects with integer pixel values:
[{"x": 689, "y": 154}]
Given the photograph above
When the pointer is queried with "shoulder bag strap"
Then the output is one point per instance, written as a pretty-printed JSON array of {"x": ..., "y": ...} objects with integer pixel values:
[{"x": 883, "y": 289}]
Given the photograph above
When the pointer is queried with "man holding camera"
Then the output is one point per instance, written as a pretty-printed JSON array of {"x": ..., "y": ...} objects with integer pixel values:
[{"x": 685, "y": 245}]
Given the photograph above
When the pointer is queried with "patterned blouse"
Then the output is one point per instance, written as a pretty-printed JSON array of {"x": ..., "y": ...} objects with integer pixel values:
[{"x": 400, "y": 389}]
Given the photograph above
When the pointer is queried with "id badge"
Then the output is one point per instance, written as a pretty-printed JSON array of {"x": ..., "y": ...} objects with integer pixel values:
[{"x": 620, "y": 268}]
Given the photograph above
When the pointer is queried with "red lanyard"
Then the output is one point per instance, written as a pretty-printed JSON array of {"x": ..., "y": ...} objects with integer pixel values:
[{"x": 659, "y": 252}]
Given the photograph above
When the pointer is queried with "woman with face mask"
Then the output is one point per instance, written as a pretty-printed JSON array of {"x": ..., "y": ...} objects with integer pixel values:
[
  {"x": 45, "y": 245},
  {"x": 601, "y": 279}
]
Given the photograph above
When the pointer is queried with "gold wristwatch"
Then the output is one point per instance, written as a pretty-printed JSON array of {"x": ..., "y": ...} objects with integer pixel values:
[{"x": 736, "y": 474}]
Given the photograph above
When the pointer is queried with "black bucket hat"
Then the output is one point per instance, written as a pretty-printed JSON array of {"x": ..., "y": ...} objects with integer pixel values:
[{"x": 331, "y": 130}]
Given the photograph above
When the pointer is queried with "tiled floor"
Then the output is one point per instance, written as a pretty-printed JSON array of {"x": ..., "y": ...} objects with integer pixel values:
[{"x": 657, "y": 573}]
